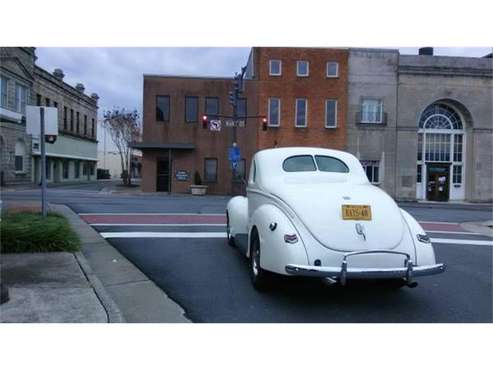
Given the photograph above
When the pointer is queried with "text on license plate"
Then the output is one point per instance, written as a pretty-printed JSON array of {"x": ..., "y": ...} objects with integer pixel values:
[{"x": 354, "y": 212}]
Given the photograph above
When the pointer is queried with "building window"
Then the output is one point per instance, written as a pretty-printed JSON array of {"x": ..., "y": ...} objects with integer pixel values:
[
  {"x": 72, "y": 120},
  {"x": 274, "y": 112},
  {"x": 162, "y": 108},
  {"x": 457, "y": 174},
  {"x": 372, "y": 111},
  {"x": 331, "y": 113},
  {"x": 242, "y": 107},
  {"x": 38, "y": 100},
  {"x": 332, "y": 69},
  {"x": 301, "y": 113},
  {"x": 84, "y": 168},
  {"x": 20, "y": 98},
  {"x": 420, "y": 147},
  {"x": 91, "y": 169},
  {"x": 210, "y": 170},
  {"x": 48, "y": 168},
  {"x": 20, "y": 152},
  {"x": 85, "y": 125},
  {"x": 77, "y": 169},
  {"x": 55, "y": 104},
  {"x": 65, "y": 166},
  {"x": 65, "y": 118},
  {"x": 437, "y": 147},
  {"x": 302, "y": 68},
  {"x": 211, "y": 107},
  {"x": 191, "y": 109},
  {"x": 240, "y": 171},
  {"x": 457, "y": 148},
  {"x": 419, "y": 173},
  {"x": 275, "y": 67},
  {"x": 47, "y": 102},
  {"x": 3, "y": 89},
  {"x": 78, "y": 122},
  {"x": 372, "y": 171},
  {"x": 93, "y": 128}
]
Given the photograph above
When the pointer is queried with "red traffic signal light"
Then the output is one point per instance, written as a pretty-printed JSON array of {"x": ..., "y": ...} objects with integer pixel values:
[
  {"x": 264, "y": 124},
  {"x": 205, "y": 122},
  {"x": 50, "y": 139}
]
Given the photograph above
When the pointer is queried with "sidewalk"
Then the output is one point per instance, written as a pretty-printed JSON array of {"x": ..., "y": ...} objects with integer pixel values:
[
  {"x": 49, "y": 288},
  {"x": 447, "y": 205}
]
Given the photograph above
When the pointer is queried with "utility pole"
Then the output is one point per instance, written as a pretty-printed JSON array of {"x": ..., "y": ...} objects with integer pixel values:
[{"x": 43, "y": 162}]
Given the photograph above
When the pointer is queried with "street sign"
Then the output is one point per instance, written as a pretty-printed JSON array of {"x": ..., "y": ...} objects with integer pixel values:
[
  {"x": 182, "y": 175},
  {"x": 215, "y": 125},
  {"x": 33, "y": 120},
  {"x": 234, "y": 155},
  {"x": 237, "y": 123}
]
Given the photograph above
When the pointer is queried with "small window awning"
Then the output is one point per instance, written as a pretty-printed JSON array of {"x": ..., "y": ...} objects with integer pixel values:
[{"x": 179, "y": 146}]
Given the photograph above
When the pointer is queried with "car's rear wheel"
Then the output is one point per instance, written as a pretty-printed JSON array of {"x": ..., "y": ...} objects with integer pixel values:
[
  {"x": 231, "y": 239},
  {"x": 258, "y": 275}
]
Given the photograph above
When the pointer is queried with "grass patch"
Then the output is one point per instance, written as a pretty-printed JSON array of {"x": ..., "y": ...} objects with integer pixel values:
[{"x": 29, "y": 232}]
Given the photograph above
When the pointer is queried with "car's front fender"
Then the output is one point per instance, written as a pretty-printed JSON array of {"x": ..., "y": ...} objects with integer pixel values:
[
  {"x": 275, "y": 253},
  {"x": 237, "y": 212}
]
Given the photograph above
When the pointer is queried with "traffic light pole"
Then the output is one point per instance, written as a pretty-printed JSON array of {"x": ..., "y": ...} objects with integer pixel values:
[{"x": 43, "y": 162}]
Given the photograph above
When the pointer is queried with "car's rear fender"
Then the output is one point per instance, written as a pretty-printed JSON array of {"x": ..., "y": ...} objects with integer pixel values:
[
  {"x": 425, "y": 255},
  {"x": 272, "y": 224},
  {"x": 237, "y": 212}
]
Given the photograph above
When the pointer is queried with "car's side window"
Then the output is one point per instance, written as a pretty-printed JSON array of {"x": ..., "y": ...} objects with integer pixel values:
[
  {"x": 330, "y": 164},
  {"x": 299, "y": 163}
]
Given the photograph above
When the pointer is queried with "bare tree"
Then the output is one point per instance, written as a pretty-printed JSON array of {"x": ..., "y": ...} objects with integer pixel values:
[{"x": 124, "y": 128}]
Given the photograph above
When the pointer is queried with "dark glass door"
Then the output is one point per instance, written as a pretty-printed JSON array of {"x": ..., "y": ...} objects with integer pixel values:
[
  {"x": 438, "y": 181},
  {"x": 162, "y": 176}
]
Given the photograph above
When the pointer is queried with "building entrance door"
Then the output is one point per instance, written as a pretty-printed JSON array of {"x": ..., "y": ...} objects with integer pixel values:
[
  {"x": 438, "y": 179},
  {"x": 163, "y": 175}
]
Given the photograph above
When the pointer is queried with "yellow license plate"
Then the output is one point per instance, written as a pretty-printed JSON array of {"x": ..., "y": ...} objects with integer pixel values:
[{"x": 353, "y": 212}]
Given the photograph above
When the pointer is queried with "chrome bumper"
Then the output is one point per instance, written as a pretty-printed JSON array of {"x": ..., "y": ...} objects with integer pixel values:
[{"x": 408, "y": 271}]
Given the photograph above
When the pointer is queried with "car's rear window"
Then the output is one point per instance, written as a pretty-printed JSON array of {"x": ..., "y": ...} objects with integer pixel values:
[
  {"x": 299, "y": 163},
  {"x": 331, "y": 164}
]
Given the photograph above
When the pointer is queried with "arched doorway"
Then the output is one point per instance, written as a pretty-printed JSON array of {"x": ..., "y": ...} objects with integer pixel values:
[{"x": 441, "y": 154}]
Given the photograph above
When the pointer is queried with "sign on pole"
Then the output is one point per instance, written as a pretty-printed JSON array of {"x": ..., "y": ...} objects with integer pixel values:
[
  {"x": 234, "y": 155},
  {"x": 215, "y": 125},
  {"x": 33, "y": 120}
]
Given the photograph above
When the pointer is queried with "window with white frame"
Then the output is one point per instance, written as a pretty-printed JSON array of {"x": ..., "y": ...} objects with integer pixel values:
[
  {"x": 275, "y": 67},
  {"x": 3, "y": 89},
  {"x": 302, "y": 68},
  {"x": 372, "y": 111},
  {"x": 372, "y": 169},
  {"x": 20, "y": 98},
  {"x": 301, "y": 111},
  {"x": 332, "y": 69},
  {"x": 20, "y": 152},
  {"x": 457, "y": 174},
  {"x": 274, "y": 112},
  {"x": 419, "y": 173},
  {"x": 331, "y": 113}
]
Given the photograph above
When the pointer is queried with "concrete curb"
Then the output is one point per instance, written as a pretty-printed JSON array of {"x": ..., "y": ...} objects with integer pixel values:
[
  {"x": 123, "y": 289},
  {"x": 112, "y": 310}
]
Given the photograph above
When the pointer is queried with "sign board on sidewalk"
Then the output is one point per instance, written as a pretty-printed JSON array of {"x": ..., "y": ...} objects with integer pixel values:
[
  {"x": 33, "y": 120},
  {"x": 215, "y": 125}
]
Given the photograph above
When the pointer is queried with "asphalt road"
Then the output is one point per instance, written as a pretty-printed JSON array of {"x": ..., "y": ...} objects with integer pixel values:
[{"x": 210, "y": 280}]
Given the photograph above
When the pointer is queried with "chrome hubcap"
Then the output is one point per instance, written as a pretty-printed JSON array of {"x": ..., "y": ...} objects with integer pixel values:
[{"x": 255, "y": 255}]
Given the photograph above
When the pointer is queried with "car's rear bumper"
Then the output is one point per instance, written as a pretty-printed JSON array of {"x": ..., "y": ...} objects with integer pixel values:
[{"x": 408, "y": 271}]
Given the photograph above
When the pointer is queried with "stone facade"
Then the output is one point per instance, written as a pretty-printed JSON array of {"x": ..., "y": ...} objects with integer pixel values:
[
  {"x": 407, "y": 85},
  {"x": 73, "y": 156},
  {"x": 17, "y": 74}
]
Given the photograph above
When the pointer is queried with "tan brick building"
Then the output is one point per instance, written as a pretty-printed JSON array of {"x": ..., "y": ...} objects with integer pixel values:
[{"x": 301, "y": 91}]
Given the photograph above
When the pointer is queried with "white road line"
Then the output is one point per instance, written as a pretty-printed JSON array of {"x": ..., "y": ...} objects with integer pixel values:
[
  {"x": 151, "y": 214},
  {"x": 215, "y": 235},
  {"x": 222, "y": 225},
  {"x": 438, "y": 222},
  {"x": 462, "y": 241},
  {"x": 139, "y": 234}
]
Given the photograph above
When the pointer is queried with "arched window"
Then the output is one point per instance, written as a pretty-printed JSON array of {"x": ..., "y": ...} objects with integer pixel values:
[
  {"x": 440, "y": 116},
  {"x": 20, "y": 152}
]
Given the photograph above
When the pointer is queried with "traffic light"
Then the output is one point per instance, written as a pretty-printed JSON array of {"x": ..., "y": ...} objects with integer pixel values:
[
  {"x": 50, "y": 139},
  {"x": 264, "y": 124},
  {"x": 205, "y": 122},
  {"x": 232, "y": 98}
]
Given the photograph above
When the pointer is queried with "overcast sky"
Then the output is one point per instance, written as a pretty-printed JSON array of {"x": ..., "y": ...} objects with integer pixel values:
[{"x": 115, "y": 74}]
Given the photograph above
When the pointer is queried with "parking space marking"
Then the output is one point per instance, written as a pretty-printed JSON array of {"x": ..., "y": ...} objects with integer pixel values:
[{"x": 462, "y": 241}]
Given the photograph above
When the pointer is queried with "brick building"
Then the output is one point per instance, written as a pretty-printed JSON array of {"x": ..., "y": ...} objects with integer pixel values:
[
  {"x": 73, "y": 156},
  {"x": 301, "y": 91}
]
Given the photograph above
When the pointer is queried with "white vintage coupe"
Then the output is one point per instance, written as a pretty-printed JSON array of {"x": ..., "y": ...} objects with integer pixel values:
[{"x": 313, "y": 212}]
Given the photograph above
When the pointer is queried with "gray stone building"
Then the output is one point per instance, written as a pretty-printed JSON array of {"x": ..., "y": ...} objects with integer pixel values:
[
  {"x": 73, "y": 156},
  {"x": 422, "y": 125},
  {"x": 16, "y": 86}
]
